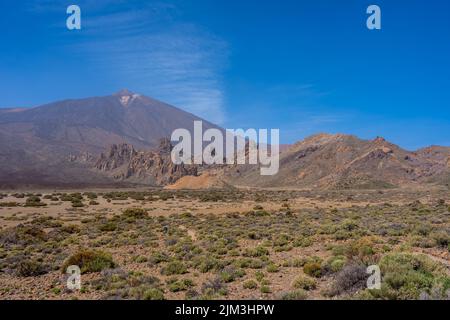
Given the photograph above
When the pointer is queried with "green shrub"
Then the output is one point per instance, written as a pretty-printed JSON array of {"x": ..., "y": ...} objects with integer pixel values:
[
  {"x": 205, "y": 264},
  {"x": 89, "y": 261},
  {"x": 304, "y": 283},
  {"x": 362, "y": 249},
  {"x": 91, "y": 195},
  {"x": 259, "y": 276},
  {"x": 31, "y": 268},
  {"x": 313, "y": 269},
  {"x": 34, "y": 201},
  {"x": 153, "y": 294},
  {"x": 173, "y": 268},
  {"x": 441, "y": 238},
  {"x": 158, "y": 257},
  {"x": 265, "y": 289},
  {"x": 250, "y": 284},
  {"x": 137, "y": 213},
  {"x": 256, "y": 252},
  {"x": 77, "y": 204},
  {"x": 407, "y": 276},
  {"x": 229, "y": 274},
  {"x": 23, "y": 234},
  {"x": 302, "y": 242},
  {"x": 9, "y": 204},
  {"x": 70, "y": 229},
  {"x": 175, "y": 285},
  {"x": 335, "y": 264},
  {"x": 108, "y": 227},
  {"x": 295, "y": 295},
  {"x": 272, "y": 268}
]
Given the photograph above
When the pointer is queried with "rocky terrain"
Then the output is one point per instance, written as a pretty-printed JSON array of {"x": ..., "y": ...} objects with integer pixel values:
[{"x": 152, "y": 168}]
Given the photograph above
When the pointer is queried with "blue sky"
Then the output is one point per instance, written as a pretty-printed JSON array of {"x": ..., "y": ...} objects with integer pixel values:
[{"x": 301, "y": 66}]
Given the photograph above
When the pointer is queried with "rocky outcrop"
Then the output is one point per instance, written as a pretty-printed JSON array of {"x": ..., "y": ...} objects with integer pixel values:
[
  {"x": 123, "y": 162},
  {"x": 117, "y": 156}
]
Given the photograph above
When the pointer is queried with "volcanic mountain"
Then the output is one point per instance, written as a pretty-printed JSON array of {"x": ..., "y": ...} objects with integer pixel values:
[{"x": 41, "y": 145}]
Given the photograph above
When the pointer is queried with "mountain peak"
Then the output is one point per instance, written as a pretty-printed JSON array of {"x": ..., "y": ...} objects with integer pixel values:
[
  {"x": 124, "y": 93},
  {"x": 126, "y": 96},
  {"x": 379, "y": 139}
]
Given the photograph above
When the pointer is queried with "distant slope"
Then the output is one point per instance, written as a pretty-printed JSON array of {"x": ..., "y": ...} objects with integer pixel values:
[{"x": 344, "y": 161}]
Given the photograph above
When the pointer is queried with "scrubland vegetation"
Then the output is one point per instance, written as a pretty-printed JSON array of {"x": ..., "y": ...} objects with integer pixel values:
[{"x": 291, "y": 252}]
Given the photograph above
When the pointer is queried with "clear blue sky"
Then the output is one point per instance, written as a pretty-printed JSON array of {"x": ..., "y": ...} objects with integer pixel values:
[{"x": 301, "y": 66}]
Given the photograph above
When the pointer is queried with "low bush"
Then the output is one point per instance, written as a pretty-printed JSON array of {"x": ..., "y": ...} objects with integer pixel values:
[
  {"x": 31, "y": 268},
  {"x": 265, "y": 289},
  {"x": 305, "y": 283},
  {"x": 250, "y": 284},
  {"x": 213, "y": 288},
  {"x": 349, "y": 280},
  {"x": 313, "y": 269},
  {"x": 89, "y": 261},
  {"x": 407, "y": 276},
  {"x": 108, "y": 227},
  {"x": 34, "y": 201},
  {"x": 175, "y": 285},
  {"x": 173, "y": 268},
  {"x": 295, "y": 295},
  {"x": 153, "y": 294},
  {"x": 136, "y": 213},
  {"x": 9, "y": 204},
  {"x": 441, "y": 238},
  {"x": 272, "y": 268}
]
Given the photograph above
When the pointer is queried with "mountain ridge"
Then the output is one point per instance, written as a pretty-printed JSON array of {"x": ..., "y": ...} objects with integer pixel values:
[{"x": 116, "y": 139}]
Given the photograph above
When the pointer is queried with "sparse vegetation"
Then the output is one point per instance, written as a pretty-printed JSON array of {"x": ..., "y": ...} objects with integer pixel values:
[{"x": 172, "y": 244}]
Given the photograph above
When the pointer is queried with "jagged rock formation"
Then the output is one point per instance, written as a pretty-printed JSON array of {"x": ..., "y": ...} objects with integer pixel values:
[{"x": 123, "y": 162}]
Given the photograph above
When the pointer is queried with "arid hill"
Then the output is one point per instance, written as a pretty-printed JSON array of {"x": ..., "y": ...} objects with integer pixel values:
[{"x": 345, "y": 161}]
